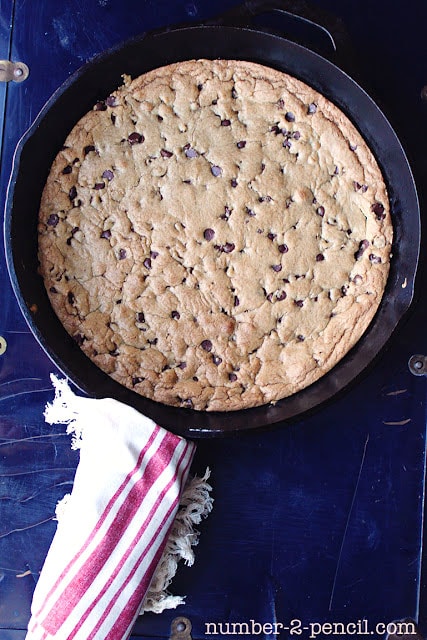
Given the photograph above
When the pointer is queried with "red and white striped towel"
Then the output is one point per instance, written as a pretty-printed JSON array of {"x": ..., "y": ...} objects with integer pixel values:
[{"x": 115, "y": 523}]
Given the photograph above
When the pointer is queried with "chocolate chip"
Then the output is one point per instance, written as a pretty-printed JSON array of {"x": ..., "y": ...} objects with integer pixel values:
[
  {"x": 154, "y": 254},
  {"x": 236, "y": 301},
  {"x": 100, "y": 106},
  {"x": 226, "y": 214},
  {"x": 147, "y": 263},
  {"x": 187, "y": 402},
  {"x": 234, "y": 94},
  {"x": 135, "y": 138},
  {"x": 175, "y": 315},
  {"x": 233, "y": 182},
  {"x": 216, "y": 171},
  {"x": 165, "y": 153},
  {"x": 111, "y": 101},
  {"x": 281, "y": 295},
  {"x": 270, "y": 297},
  {"x": 72, "y": 194},
  {"x": 296, "y": 135},
  {"x": 99, "y": 185},
  {"x": 190, "y": 152},
  {"x": 216, "y": 360},
  {"x": 271, "y": 235},
  {"x": 136, "y": 380},
  {"x": 224, "y": 248},
  {"x": 250, "y": 212},
  {"x": 67, "y": 169},
  {"x": 290, "y": 117},
  {"x": 320, "y": 257},
  {"x": 287, "y": 144},
  {"x": 276, "y": 129},
  {"x": 122, "y": 254},
  {"x": 79, "y": 338},
  {"x": 300, "y": 338},
  {"x": 228, "y": 247},
  {"x": 276, "y": 267},
  {"x": 232, "y": 377},
  {"x": 106, "y": 234},
  {"x": 298, "y": 303},
  {"x": 241, "y": 144},
  {"x": 312, "y": 108},
  {"x": 182, "y": 365},
  {"x": 374, "y": 259},
  {"x": 113, "y": 118},
  {"x": 108, "y": 175},
  {"x": 364, "y": 244},
  {"x": 283, "y": 248},
  {"x": 208, "y": 234},
  {"x": 53, "y": 220},
  {"x": 206, "y": 345},
  {"x": 225, "y": 123},
  {"x": 88, "y": 149},
  {"x": 379, "y": 211},
  {"x": 352, "y": 147},
  {"x": 320, "y": 211},
  {"x": 280, "y": 103},
  {"x": 200, "y": 86},
  {"x": 53, "y": 290},
  {"x": 70, "y": 297}
]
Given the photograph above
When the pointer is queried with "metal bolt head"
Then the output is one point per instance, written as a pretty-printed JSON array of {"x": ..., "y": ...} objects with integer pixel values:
[
  {"x": 418, "y": 365},
  {"x": 13, "y": 71},
  {"x": 180, "y": 629}
]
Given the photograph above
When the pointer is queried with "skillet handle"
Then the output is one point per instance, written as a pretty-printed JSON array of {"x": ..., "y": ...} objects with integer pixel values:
[{"x": 301, "y": 22}]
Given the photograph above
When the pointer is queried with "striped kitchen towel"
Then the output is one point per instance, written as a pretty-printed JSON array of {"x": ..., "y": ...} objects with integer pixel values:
[{"x": 114, "y": 525}]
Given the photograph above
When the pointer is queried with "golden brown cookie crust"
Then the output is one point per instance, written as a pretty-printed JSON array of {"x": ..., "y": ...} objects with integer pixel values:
[{"x": 215, "y": 235}]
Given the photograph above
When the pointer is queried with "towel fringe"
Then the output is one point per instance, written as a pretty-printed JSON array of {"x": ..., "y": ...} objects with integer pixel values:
[
  {"x": 65, "y": 409},
  {"x": 196, "y": 503}
]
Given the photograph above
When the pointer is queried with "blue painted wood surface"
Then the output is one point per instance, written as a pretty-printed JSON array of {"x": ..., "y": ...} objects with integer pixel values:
[{"x": 316, "y": 521}]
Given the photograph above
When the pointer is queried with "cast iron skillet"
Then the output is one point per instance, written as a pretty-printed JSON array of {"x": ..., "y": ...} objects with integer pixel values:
[{"x": 95, "y": 81}]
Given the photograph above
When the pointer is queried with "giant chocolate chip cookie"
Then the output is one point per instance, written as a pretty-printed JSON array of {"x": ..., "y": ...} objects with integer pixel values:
[{"x": 215, "y": 235}]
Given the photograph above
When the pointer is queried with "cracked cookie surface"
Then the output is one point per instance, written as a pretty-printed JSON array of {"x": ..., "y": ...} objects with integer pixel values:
[{"x": 215, "y": 235}]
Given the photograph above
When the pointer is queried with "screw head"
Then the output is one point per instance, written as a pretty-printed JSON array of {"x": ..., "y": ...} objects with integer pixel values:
[{"x": 418, "y": 365}]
